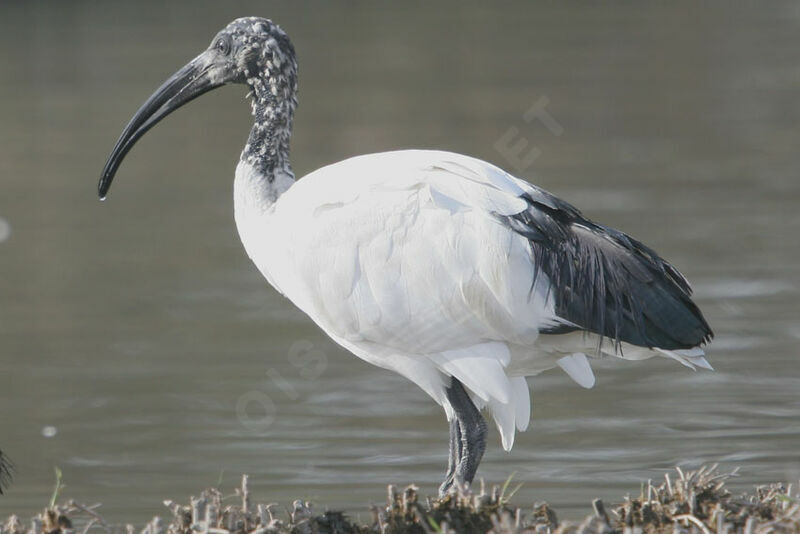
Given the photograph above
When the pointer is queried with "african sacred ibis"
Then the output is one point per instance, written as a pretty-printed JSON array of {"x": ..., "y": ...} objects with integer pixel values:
[{"x": 438, "y": 266}]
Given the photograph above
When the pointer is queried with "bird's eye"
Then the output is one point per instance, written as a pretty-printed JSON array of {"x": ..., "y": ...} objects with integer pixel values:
[{"x": 223, "y": 45}]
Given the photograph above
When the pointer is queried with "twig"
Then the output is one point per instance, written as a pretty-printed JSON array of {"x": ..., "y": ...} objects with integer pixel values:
[{"x": 693, "y": 519}]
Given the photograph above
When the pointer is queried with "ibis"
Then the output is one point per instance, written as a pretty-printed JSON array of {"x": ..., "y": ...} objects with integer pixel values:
[{"x": 435, "y": 265}]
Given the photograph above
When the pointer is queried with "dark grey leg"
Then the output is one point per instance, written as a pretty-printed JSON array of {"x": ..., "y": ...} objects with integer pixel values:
[
  {"x": 469, "y": 435},
  {"x": 455, "y": 454}
]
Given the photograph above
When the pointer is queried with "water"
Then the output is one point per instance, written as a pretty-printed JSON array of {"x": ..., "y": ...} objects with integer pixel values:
[{"x": 136, "y": 327}]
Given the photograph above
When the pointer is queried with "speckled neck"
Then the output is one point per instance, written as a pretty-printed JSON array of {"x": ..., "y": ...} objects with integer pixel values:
[
  {"x": 273, "y": 94},
  {"x": 267, "y": 148}
]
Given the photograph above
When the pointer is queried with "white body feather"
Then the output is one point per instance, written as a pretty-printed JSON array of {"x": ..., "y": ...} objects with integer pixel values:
[{"x": 399, "y": 258}]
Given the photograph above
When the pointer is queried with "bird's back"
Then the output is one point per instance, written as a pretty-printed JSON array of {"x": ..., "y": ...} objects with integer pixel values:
[{"x": 457, "y": 217}]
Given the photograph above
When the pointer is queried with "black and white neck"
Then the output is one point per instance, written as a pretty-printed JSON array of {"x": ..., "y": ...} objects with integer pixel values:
[
  {"x": 252, "y": 51},
  {"x": 273, "y": 99}
]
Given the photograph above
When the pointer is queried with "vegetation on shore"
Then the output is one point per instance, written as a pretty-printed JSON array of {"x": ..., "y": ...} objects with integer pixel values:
[{"x": 691, "y": 502}]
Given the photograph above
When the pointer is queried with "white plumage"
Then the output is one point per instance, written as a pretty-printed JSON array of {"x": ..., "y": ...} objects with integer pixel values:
[{"x": 399, "y": 257}]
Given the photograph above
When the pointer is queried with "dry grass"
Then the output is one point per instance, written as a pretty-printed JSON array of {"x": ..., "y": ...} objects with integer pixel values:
[{"x": 692, "y": 502}]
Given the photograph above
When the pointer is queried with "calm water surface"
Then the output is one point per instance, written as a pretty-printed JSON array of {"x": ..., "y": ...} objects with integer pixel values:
[{"x": 139, "y": 330}]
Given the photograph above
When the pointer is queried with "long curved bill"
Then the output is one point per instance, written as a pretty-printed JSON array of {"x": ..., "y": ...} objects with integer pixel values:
[{"x": 184, "y": 86}]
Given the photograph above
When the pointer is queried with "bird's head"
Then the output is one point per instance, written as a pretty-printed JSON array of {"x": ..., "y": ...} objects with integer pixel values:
[
  {"x": 250, "y": 50},
  {"x": 253, "y": 51}
]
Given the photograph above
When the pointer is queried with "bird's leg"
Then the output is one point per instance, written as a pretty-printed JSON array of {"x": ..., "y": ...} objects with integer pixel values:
[
  {"x": 473, "y": 437},
  {"x": 455, "y": 455},
  {"x": 470, "y": 434},
  {"x": 456, "y": 452}
]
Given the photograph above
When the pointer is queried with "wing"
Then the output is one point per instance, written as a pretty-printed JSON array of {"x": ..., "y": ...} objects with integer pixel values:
[
  {"x": 600, "y": 279},
  {"x": 405, "y": 249},
  {"x": 421, "y": 253},
  {"x": 606, "y": 282}
]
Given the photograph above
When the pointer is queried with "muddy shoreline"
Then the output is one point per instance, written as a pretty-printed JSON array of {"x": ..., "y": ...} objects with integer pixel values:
[{"x": 696, "y": 501}]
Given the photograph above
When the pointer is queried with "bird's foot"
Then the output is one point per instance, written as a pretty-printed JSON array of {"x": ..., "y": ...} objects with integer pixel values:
[{"x": 446, "y": 486}]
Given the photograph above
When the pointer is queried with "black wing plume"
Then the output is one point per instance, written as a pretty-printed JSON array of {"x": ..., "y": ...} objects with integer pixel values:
[{"x": 606, "y": 282}]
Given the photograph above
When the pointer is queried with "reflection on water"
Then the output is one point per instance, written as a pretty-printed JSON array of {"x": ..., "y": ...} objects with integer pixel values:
[{"x": 132, "y": 330}]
